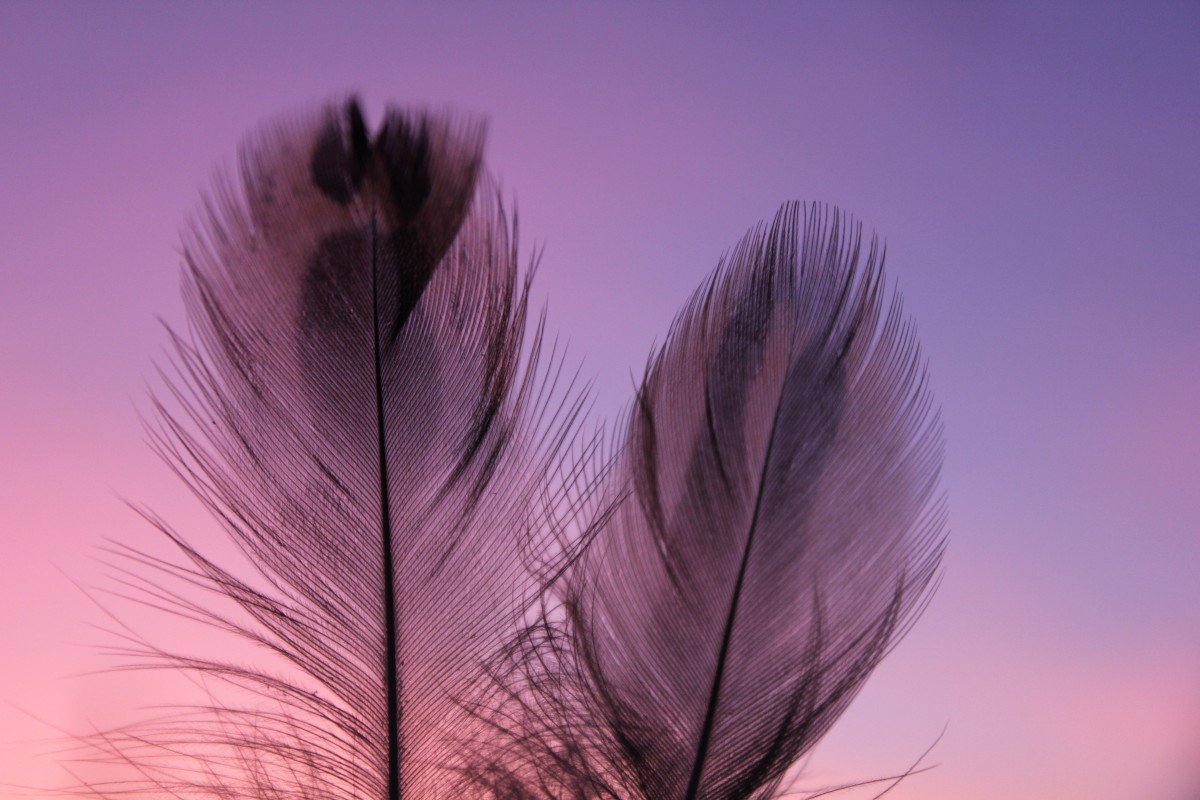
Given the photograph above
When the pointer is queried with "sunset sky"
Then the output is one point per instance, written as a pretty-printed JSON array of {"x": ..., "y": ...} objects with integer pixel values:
[{"x": 1034, "y": 169}]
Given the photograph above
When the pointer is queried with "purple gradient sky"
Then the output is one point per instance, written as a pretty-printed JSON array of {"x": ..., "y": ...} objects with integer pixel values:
[{"x": 1036, "y": 174}]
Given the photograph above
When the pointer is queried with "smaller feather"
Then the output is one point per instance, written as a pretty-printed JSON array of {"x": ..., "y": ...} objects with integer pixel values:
[{"x": 770, "y": 532}]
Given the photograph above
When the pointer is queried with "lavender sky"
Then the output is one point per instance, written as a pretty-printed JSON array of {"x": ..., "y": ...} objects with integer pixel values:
[{"x": 1034, "y": 170}]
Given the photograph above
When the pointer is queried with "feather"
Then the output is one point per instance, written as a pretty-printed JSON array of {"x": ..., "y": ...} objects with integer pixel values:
[
  {"x": 454, "y": 599},
  {"x": 357, "y": 416},
  {"x": 772, "y": 531}
]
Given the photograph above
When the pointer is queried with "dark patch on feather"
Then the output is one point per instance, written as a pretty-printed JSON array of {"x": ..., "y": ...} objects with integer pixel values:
[
  {"x": 714, "y": 443},
  {"x": 404, "y": 276},
  {"x": 341, "y": 156},
  {"x": 405, "y": 151},
  {"x": 336, "y": 276},
  {"x": 645, "y": 483}
]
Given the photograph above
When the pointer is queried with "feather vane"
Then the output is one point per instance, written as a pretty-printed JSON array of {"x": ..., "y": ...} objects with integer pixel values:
[
  {"x": 774, "y": 530},
  {"x": 358, "y": 418}
]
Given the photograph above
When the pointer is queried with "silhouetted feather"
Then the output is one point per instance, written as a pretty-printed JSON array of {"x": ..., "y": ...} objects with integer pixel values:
[
  {"x": 451, "y": 605},
  {"x": 771, "y": 534},
  {"x": 357, "y": 418}
]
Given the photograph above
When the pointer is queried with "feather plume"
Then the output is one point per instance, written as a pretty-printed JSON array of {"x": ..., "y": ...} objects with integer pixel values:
[
  {"x": 461, "y": 603},
  {"x": 771, "y": 534},
  {"x": 358, "y": 418}
]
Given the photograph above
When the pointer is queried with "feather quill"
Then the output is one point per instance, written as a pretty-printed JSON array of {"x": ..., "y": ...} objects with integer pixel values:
[
  {"x": 773, "y": 531},
  {"x": 358, "y": 419}
]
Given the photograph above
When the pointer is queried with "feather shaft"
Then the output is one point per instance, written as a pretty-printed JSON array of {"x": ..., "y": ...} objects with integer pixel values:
[
  {"x": 714, "y": 696},
  {"x": 391, "y": 646}
]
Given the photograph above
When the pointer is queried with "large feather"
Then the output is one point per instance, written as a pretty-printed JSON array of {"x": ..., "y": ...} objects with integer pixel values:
[
  {"x": 357, "y": 418},
  {"x": 774, "y": 530}
]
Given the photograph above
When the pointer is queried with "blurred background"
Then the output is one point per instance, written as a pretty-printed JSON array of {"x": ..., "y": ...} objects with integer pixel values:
[{"x": 1034, "y": 170}]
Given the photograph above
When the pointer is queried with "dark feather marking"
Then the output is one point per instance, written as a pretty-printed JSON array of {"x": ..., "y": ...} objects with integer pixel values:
[
  {"x": 410, "y": 284},
  {"x": 646, "y": 485},
  {"x": 407, "y": 159},
  {"x": 710, "y": 426},
  {"x": 330, "y": 289},
  {"x": 341, "y": 157}
]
